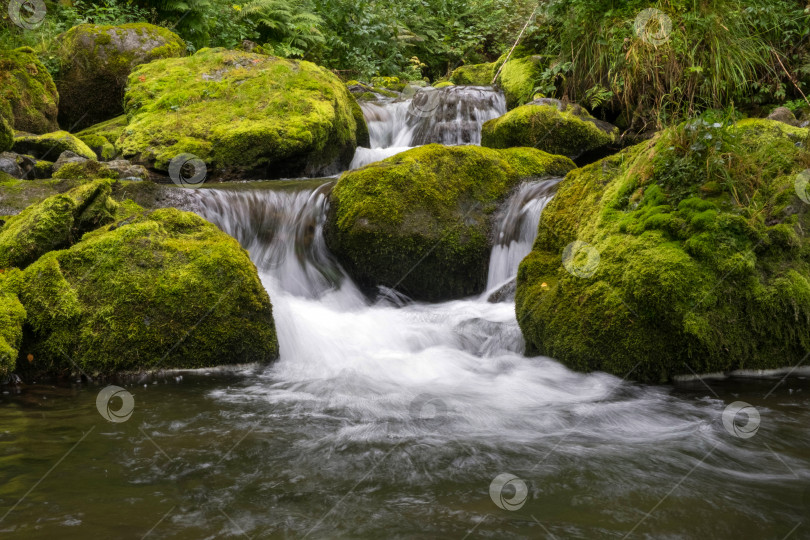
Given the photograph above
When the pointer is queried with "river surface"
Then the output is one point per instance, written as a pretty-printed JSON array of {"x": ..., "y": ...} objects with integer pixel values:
[{"x": 386, "y": 418}]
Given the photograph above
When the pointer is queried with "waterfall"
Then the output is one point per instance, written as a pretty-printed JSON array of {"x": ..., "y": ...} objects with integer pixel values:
[
  {"x": 283, "y": 232},
  {"x": 516, "y": 230},
  {"x": 452, "y": 115}
]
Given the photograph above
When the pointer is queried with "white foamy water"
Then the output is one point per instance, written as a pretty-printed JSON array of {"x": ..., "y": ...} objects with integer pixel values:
[
  {"x": 377, "y": 362},
  {"x": 452, "y": 116}
]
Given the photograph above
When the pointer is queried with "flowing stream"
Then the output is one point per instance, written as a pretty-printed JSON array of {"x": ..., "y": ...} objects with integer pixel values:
[
  {"x": 452, "y": 115},
  {"x": 386, "y": 418}
]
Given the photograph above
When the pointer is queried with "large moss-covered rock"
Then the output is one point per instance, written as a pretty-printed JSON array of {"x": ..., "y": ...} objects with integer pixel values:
[
  {"x": 95, "y": 61},
  {"x": 164, "y": 289},
  {"x": 686, "y": 253},
  {"x": 51, "y": 145},
  {"x": 101, "y": 138},
  {"x": 28, "y": 96},
  {"x": 550, "y": 125},
  {"x": 12, "y": 315},
  {"x": 243, "y": 114},
  {"x": 474, "y": 74},
  {"x": 420, "y": 221},
  {"x": 55, "y": 223},
  {"x": 518, "y": 79}
]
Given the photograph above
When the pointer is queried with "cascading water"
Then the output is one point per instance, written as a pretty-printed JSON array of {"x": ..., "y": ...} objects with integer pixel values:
[
  {"x": 516, "y": 230},
  {"x": 452, "y": 115},
  {"x": 393, "y": 419}
]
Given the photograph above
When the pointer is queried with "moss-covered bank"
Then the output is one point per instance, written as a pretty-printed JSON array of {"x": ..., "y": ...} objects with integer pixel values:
[
  {"x": 420, "y": 221},
  {"x": 687, "y": 253},
  {"x": 244, "y": 114}
]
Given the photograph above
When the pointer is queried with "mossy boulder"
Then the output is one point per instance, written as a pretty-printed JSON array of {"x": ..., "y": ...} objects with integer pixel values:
[
  {"x": 550, "y": 125},
  {"x": 12, "y": 315},
  {"x": 164, "y": 289},
  {"x": 685, "y": 254},
  {"x": 51, "y": 145},
  {"x": 95, "y": 61},
  {"x": 420, "y": 221},
  {"x": 29, "y": 100},
  {"x": 243, "y": 114},
  {"x": 443, "y": 84},
  {"x": 101, "y": 138},
  {"x": 6, "y": 135},
  {"x": 473, "y": 74},
  {"x": 55, "y": 223},
  {"x": 518, "y": 79}
]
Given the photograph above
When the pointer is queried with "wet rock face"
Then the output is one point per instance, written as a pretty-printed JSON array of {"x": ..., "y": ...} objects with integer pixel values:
[{"x": 95, "y": 62}]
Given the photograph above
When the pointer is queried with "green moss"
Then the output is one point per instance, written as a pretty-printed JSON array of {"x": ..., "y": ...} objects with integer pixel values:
[
  {"x": 28, "y": 96},
  {"x": 85, "y": 170},
  {"x": 163, "y": 290},
  {"x": 420, "y": 221},
  {"x": 568, "y": 132},
  {"x": 6, "y": 135},
  {"x": 55, "y": 223},
  {"x": 473, "y": 74},
  {"x": 101, "y": 137},
  {"x": 687, "y": 281},
  {"x": 51, "y": 145},
  {"x": 390, "y": 83},
  {"x": 241, "y": 113},
  {"x": 12, "y": 315},
  {"x": 95, "y": 61},
  {"x": 518, "y": 80},
  {"x": 443, "y": 84}
]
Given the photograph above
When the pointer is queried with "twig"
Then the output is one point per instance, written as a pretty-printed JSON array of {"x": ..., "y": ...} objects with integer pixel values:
[
  {"x": 791, "y": 77},
  {"x": 525, "y": 26}
]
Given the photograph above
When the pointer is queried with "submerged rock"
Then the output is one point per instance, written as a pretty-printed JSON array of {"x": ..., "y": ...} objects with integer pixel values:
[
  {"x": 686, "y": 253},
  {"x": 95, "y": 63},
  {"x": 164, "y": 289},
  {"x": 28, "y": 96},
  {"x": 243, "y": 114},
  {"x": 420, "y": 221},
  {"x": 55, "y": 223},
  {"x": 550, "y": 125},
  {"x": 51, "y": 145}
]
